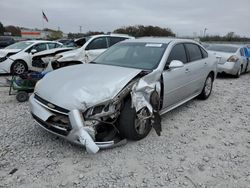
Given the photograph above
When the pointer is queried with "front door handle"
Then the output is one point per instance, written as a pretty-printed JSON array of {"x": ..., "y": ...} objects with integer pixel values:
[{"x": 187, "y": 70}]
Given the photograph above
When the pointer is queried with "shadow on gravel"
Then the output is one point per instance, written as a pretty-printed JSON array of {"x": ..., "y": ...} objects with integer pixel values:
[{"x": 224, "y": 76}]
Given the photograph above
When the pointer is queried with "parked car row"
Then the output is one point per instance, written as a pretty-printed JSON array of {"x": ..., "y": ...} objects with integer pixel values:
[{"x": 22, "y": 56}]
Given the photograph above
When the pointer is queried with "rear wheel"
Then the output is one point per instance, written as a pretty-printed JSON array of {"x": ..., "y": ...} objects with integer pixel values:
[
  {"x": 132, "y": 125},
  {"x": 207, "y": 89},
  {"x": 238, "y": 72},
  {"x": 22, "y": 96},
  {"x": 19, "y": 67}
]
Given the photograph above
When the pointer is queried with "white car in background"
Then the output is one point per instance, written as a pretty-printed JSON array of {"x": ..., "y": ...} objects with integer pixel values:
[
  {"x": 231, "y": 58},
  {"x": 93, "y": 46},
  {"x": 17, "y": 58}
]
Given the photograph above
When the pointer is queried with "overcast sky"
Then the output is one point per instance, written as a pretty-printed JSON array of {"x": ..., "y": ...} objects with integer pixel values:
[{"x": 184, "y": 17}]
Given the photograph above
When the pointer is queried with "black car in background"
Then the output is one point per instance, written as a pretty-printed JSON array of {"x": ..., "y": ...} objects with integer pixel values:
[{"x": 6, "y": 41}]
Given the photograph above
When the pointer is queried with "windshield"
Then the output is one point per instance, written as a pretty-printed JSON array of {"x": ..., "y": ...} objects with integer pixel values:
[
  {"x": 227, "y": 49},
  {"x": 19, "y": 45},
  {"x": 144, "y": 56}
]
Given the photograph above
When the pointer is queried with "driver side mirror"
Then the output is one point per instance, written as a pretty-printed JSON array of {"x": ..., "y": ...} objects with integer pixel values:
[
  {"x": 33, "y": 51},
  {"x": 175, "y": 64}
]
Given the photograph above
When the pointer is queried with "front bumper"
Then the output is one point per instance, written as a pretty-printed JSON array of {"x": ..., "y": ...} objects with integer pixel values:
[
  {"x": 5, "y": 66},
  {"x": 228, "y": 68},
  {"x": 75, "y": 131}
]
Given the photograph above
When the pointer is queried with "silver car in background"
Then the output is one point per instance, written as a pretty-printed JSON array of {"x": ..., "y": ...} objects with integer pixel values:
[
  {"x": 231, "y": 58},
  {"x": 123, "y": 92}
]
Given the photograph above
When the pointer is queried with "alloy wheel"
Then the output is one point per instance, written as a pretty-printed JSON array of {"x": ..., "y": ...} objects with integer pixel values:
[
  {"x": 19, "y": 68},
  {"x": 208, "y": 86},
  {"x": 141, "y": 121}
]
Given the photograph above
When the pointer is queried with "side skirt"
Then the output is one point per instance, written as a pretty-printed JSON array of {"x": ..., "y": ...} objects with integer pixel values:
[{"x": 163, "y": 111}]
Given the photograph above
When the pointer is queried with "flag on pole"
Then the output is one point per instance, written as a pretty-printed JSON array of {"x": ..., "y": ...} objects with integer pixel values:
[{"x": 45, "y": 17}]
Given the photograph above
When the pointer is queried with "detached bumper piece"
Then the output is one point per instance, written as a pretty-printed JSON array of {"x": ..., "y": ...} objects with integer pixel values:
[
  {"x": 76, "y": 121},
  {"x": 70, "y": 127}
]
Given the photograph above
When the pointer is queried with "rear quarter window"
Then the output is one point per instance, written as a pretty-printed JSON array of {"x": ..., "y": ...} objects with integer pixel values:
[{"x": 194, "y": 52}]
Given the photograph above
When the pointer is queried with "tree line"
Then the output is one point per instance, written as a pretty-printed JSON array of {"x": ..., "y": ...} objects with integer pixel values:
[
  {"x": 136, "y": 31},
  {"x": 13, "y": 30},
  {"x": 229, "y": 37}
]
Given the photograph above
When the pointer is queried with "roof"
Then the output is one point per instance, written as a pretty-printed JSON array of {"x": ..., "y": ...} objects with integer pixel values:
[
  {"x": 165, "y": 40},
  {"x": 113, "y": 35},
  {"x": 39, "y": 41},
  {"x": 230, "y": 45}
]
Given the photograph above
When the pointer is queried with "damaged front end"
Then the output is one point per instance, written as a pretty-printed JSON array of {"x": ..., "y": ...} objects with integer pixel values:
[
  {"x": 146, "y": 94},
  {"x": 72, "y": 125},
  {"x": 95, "y": 126}
]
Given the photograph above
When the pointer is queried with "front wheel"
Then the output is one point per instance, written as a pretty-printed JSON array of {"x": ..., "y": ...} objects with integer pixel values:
[
  {"x": 207, "y": 89},
  {"x": 132, "y": 125},
  {"x": 19, "y": 67}
]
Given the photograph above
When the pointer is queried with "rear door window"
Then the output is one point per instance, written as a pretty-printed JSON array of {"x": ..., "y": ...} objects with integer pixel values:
[
  {"x": 114, "y": 40},
  {"x": 98, "y": 43},
  {"x": 194, "y": 52},
  {"x": 177, "y": 53}
]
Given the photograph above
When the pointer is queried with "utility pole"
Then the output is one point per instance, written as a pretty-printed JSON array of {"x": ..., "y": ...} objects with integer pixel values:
[
  {"x": 80, "y": 27},
  {"x": 205, "y": 32}
]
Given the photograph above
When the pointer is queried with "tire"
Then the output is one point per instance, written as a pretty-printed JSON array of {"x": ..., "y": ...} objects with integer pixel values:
[
  {"x": 238, "y": 73},
  {"x": 246, "y": 68},
  {"x": 129, "y": 125},
  {"x": 19, "y": 67},
  {"x": 22, "y": 96},
  {"x": 208, "y": 87}
]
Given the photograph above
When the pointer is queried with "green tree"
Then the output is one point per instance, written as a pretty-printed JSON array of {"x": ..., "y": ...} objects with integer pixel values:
[
  {"x": 15, "y": 31},
  {"x": 2, "y": 30},
  {"x": 140, "y": 31},
  {"x": 55, "y": 35}
]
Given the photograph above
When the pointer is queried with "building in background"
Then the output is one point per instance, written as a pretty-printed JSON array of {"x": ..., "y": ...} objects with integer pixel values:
[{"x": 34, "y": 34}]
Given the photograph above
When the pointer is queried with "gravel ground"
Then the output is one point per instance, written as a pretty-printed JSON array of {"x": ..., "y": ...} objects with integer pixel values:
[{"x": 203, "y": 144}]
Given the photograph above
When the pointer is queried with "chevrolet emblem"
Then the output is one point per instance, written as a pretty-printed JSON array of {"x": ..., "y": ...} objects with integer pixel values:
[{"x": 50, "y": 105}]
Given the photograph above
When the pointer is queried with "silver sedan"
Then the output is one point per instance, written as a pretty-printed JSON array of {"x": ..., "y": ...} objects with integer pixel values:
[
  {"x": 123, "y": 92},
  {"x": 232, "y": 59}
]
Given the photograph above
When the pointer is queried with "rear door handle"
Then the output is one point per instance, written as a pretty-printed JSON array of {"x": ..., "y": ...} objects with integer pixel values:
[{"x": 187, "y": 70}]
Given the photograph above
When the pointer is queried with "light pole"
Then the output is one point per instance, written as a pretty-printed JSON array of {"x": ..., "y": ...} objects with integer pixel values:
[{"x": 205, "y": 32}]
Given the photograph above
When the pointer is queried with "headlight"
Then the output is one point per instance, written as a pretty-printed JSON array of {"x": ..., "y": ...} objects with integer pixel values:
[
  {"x": 3, "y": 58},
  {"x": 98, "y": 109}
]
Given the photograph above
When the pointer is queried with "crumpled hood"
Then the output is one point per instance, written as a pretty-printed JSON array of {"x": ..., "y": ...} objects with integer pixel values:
[
  {"x": 51, "y": 51},
  {"x": 82, "y": 86},
  {"x": 4, "y": 52}
]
